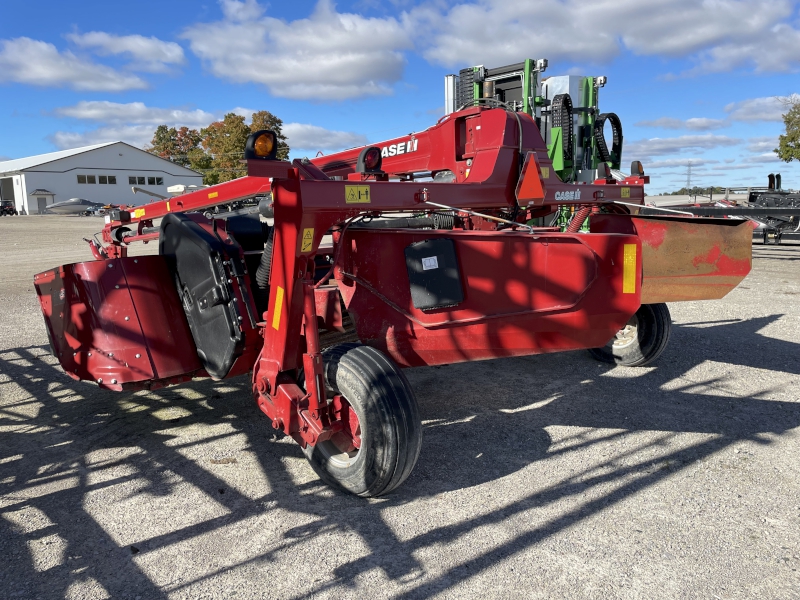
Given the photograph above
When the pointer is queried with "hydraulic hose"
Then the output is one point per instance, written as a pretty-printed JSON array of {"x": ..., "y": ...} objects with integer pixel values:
[
  {"x": 578, "y": 218},
  {"x": 615, "y": 155}
]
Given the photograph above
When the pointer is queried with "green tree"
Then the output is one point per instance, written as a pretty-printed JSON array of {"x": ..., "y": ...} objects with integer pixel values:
[
  {"x": 225, "y": 141},
  {"x": 789, "y": 144},
  {"x": 216, "y": 151},
  {"x": 263, "y": 119},
  {"x": 163, "y": 142},
  {"x": 202, "y": 162},
  {"x": 174, "y": 144}
]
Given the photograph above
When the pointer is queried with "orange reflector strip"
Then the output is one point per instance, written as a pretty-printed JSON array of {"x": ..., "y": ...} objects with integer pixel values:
[
  {"x": 629, "y": 269},
  {"x": 276, "y": 316}
]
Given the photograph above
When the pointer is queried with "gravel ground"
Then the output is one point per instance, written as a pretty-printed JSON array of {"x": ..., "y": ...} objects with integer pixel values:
[{"x": 549, "y": 476}]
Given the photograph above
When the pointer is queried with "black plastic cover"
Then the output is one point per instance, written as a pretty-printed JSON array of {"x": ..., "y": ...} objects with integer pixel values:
[
  {"x": 195, "y": 257},
  {"x": 434, "y": 274}
]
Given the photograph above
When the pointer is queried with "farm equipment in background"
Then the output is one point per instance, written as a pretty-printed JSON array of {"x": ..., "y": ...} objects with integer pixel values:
[
  {"x": 7, "y": 208},
  {"x": 424, "y": 248},
  {"x": 565, "y": 108},
  {"x": 773, "y": 211},
  {"x": 785, "y": 205}
]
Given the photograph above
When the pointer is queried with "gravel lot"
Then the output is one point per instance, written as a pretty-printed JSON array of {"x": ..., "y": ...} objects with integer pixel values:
[{"x": 549, "y": 476}]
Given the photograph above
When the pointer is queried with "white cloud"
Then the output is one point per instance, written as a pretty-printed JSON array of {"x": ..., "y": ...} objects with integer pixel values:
[
  {"x": 762, "y": 144},
  {"x": 135, "y": 123},
  {"x": 302, "y": 136},
  {"x": 684, "y": 143},
  {"x": 680, "y": 162},
  {"x": 33, "y": 62},
  {"x": 148, "y": 53},
  {"x": 234, "y": 10},
  {"x": 135, "y": 135},
  {"x": 694, "y": 124},
  {"x": 135, "y": 113},
  {"x": 757, "y": 109},
  {"x": 327, "y": 56},
  {"x": 769, "y": 157},
  {"x": 724, "y": 168},
  {"x": 496, "y": 32},
  {"x": 774, "y": 50}
]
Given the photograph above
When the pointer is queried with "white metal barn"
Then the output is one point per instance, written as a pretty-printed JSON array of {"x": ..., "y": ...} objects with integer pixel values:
[{"x": 100, "y": 173}]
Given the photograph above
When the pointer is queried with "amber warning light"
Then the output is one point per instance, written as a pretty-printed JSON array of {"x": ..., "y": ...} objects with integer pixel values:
[{"x": 261, "y": 144}]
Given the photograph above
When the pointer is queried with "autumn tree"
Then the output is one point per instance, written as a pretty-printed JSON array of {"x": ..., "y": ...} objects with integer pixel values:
[
  {"x": 263, "y": 119},
  {"x": 175, "y": 144},
  {"x": 789, "y": 144},
  {"x": 216, "y": 151},
  {"x": 225, "y": 141}
]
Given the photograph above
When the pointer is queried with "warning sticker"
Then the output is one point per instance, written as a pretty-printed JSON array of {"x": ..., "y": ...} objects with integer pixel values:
[
  {"x": 308, "y": 240},
  {"x": 545, "y": 172},
  {"x": 138, "y": 213},
  {"x": 356, "y": 194},
  {"x": 429, "y": 263},
  {"x": 625, "y": 192},
  {"x": 213, "y": 195}
]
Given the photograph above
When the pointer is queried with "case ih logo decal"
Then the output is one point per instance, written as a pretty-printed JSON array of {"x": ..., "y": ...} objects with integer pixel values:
[
  {"x": 575, "y": 195},
  {"x": 401, "y": 148}
]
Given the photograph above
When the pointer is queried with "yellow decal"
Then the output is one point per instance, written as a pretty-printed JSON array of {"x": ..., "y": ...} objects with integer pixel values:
[
  {"x": 625, "y": 192},
  {"x": 308, "y": 240},
  {"x": 356, "y": 194},
  {"x": 167, "y": 205},
  {"x": 545, "y": 172},
  {"x": 213, "y": 195},
  {"x": 138, "y": 213},
  {"x": 276, "y": 315},
  {"x": 629, "y": 269}
]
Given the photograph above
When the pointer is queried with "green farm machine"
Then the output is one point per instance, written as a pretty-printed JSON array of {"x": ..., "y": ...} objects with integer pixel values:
[{"x": 565, "y": 108}]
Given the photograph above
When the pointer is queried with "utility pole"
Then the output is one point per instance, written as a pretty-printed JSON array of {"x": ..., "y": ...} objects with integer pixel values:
[{"x": 689, "y": 178}]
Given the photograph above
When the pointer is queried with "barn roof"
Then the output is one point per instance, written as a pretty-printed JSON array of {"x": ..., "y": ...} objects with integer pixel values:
[{"x": 20, "y": 164}]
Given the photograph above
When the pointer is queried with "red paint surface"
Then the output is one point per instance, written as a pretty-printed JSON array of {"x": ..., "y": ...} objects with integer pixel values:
[
  {"x": 523, "y": 295},
  {"x": 101, "y": 314}
]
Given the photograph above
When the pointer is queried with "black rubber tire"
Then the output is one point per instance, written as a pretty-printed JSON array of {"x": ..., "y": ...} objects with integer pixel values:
[
  {"x": 653, "y": 325},
  {"x": 391, "y": 429}
]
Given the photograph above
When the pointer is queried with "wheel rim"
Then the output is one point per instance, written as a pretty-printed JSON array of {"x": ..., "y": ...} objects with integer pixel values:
[
  {"x": 343, "y": 448},
  {"x": 627, "y": 335}
]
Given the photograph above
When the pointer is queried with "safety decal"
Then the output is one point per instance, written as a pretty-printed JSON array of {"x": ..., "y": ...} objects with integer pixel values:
[
  {"x": 213, "y": 195},
  {"x": 138, "y": 213},
  {"x": 276, "y": 316},
  {"x": 629, "y": 269},
  {"x": 625, "y": 192},
  {"x": 545, "y": 172},
  {"x": 308, "y": 240},
  {"x": 167, "y": 205},
  {"x": 356, "y": 194}
]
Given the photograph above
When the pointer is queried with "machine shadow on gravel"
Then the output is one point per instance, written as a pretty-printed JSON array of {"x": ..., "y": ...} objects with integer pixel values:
[{"x": 483, "y": 421}]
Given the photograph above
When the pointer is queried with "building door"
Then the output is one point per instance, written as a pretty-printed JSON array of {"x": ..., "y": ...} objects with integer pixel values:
[{"x": 42, "y": 205}]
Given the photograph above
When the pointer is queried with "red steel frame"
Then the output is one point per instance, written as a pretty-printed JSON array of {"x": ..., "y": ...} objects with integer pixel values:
[{"x": 481, "y": 147}]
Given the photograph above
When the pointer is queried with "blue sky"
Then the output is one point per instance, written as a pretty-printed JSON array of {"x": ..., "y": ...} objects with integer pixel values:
[{"x": 693, "y": 81}]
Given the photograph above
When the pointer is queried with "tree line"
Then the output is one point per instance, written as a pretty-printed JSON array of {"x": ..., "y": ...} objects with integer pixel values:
[{"x": 216, "y": 151}]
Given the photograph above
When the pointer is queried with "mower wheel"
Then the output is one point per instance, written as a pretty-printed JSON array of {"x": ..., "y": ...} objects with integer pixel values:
[
  {"x": 641, "y": 341},
  {"x": 385, "y": 438}
]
